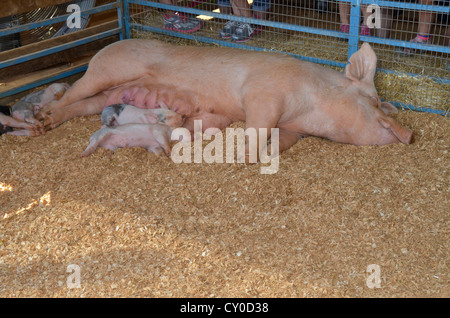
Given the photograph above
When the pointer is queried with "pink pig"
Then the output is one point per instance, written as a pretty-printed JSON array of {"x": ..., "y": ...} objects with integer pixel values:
[
  {"x": 145, "y": 94},
  {"x": 153, "y": 137},
  {"x": 222, "y": 85},
  {"x": 23, "y": 111}
]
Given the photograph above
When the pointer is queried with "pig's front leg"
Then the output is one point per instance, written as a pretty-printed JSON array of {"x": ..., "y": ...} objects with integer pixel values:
[
  {"x": 99, "y": 77},
  {"x": 24, "y": 111},
  {"x": 25, "y": 132},
  {"x": 89, "y": 106},
  {"x": 280, "y": 141},
  {"x": 287, "y": 139},
  {"x": 159, "y": 151},
  {"x": 13, "y": 123},
  {"x": 29, "y": 118},
  {"x": 28, "y": 129},
  {"x": 261, "y": 113}
]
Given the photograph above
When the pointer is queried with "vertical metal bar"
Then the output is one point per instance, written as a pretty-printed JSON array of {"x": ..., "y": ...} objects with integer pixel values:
[
  {"x": 353, "y": 39},
  {"x": 120, "y": 19},
  {"x": 126, "y": 18}
]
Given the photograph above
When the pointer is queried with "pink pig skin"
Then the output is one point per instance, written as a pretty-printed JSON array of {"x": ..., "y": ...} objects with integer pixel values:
[
  {"x": 223, "y": 85},
  {"x": 153, "y": 137},
  {"x": 143, "y": 93},
  {"x": 28, "y": 107},
  {"x": 120, "y": 114},
  {"x": 7, "y": 121}
]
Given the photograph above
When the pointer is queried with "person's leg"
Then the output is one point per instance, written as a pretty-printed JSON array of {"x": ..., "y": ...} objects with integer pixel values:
[
  {"x": 260, "y": 9},
  {"x": 423, "y": 31},
  {"x": 344, "y": 16},
  {"x": 244, "y": 30},
  {"x": 178, "y": 21},
  {"x": 229, "y": 27},
  {"x": 364, "y": 29},
  {"x": 425, "y": 20},
  {"x": 241, "y": 8}
]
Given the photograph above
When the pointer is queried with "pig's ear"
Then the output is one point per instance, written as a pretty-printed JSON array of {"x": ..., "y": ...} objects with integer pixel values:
[
  {"x": 152, "y": 119},
  {"x": 113, "y": 121},
  {"x": 402, "y": 134},
  {"x": 363, "y": 65},
  {"x": 388, "y": 108}
]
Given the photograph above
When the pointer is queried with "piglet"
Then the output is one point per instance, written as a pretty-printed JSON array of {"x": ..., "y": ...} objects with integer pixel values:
[
  {"x": 26, "y": 109},
  {"x": 120, "y": 114},
  {"x": 7, "y": 123},
  {"x": 153, "y": 137},
  {"x": 4, "y": 128}
]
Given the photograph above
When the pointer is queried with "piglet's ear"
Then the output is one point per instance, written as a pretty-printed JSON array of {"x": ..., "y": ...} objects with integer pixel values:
[
  {"x": 363, "y": 65},
  {"x": 388, "y": 108}
]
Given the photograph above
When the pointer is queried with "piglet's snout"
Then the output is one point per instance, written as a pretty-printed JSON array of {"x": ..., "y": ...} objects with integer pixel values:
[{"x": 175, "y": 120}]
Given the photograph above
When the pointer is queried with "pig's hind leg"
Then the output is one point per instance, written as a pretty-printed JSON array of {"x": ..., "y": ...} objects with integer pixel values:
[
  {"x": 98, "y": 139},
  {"x": 85, "y": 87},
  {"x": 163, "y": 145},
  {"x": 158, "y": 150},
  {"x": 99, "y": 77},
  {"x": 89, "y": 106}
]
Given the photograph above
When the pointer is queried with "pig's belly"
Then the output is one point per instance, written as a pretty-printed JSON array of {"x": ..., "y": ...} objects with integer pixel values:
[
  {"x": 114, "y": 96},
  {"x": 122, "y": 141},
  {"x": 209, "y": 120}
]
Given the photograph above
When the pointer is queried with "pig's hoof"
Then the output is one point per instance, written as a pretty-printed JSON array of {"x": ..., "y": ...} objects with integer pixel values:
[
  {"x": 41, "y": 115},
  {"x": 36, "y": 133},
  {"x": 50, "y": 122},
  {"x": 48, "y": 108},
  {"x": 37, "y": 130},
  {"x": 37, "y": 125}
]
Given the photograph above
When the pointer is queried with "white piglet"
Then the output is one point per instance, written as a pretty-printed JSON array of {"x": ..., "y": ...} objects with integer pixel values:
[{"x": 120, "y": 114}]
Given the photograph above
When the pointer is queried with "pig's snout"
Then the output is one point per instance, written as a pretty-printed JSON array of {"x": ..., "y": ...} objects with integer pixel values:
[
  {"x": 175, "y": 120},
  {"x": 384, "y": 131},
  {"x": 396, "y": 133}
]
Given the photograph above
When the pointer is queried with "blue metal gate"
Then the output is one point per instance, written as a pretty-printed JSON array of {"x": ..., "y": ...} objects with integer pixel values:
[{"x": 6, "y": 90}]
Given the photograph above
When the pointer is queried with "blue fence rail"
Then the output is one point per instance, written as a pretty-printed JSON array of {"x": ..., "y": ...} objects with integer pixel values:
[{"x": 117, "y": 5}]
